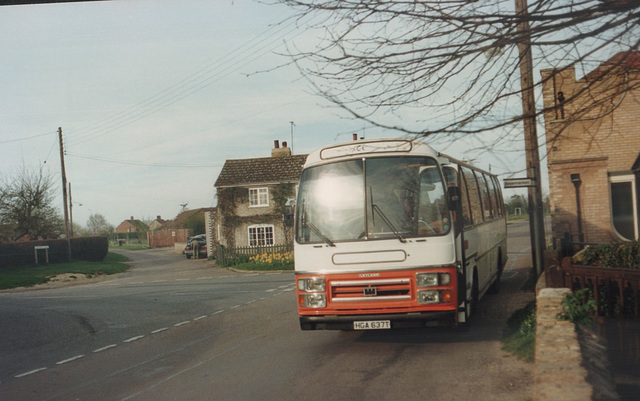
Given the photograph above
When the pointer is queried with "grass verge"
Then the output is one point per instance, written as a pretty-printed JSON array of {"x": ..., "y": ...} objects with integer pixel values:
[
  {"x": 28, "y": 276},
  {"x": 519, "y": 337}
]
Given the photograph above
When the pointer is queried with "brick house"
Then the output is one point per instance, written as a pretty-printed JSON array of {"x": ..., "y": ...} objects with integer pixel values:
[
  {"x": 252, "y": 194},
  {"x": 593, "y": 145},
  {"x": 157, "y": 223},
  {"x": 131, "y": 226}
]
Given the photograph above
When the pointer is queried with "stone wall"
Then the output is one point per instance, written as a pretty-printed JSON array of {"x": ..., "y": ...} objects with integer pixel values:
[{"x": 559, "y": 373}]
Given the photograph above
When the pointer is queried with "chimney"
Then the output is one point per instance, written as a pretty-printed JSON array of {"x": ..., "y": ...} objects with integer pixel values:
[
  {"x": 278, "y": 151},
  {"x": 158, "y": 218},
  {"x": 355, "y": 137},
  {"x": 131, "y": 218}
]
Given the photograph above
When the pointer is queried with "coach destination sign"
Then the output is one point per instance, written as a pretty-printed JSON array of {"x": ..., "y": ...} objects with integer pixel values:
[{"x": 519, "y": 182}]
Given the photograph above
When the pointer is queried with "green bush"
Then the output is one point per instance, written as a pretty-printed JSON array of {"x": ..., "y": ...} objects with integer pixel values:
[
  {"x": 621, "y": 255},
  {"x": 578, "y": 306}
]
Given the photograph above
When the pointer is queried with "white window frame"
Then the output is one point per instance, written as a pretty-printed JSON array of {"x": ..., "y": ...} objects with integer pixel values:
[
  {"x": 261, "y": 241},
  {"x": 261, "y": 197},
  {"x": 619, "y": 179}
]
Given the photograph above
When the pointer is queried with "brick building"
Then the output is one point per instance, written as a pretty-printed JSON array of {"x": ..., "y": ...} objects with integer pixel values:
[
  {"x": 132, "y": 226},
  {"x": 593, "y": 145}
]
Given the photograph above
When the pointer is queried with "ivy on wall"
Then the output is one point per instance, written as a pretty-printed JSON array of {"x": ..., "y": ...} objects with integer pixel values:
[{"x": 230, "y": 198}]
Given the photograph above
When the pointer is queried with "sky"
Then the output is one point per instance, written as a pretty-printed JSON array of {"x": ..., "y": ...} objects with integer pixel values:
[{"x": 152, "y": 96}]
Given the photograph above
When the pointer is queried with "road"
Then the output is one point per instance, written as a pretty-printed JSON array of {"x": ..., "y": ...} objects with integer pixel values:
[{"x": 176, "y": 329}]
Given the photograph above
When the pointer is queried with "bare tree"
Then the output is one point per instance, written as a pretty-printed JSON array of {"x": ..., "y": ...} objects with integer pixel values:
[
  {"x": 452, "y": 66},
  {"x": 98, "y": 225},
  {"x": 26, "y": 207}
]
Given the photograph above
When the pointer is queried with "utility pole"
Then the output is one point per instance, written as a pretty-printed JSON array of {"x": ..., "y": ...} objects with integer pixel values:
[
  {"x": 70, "y": 212},
  {"x": 536, "y": 216},
  {"x": 64, "y": 196},
  {"x": 292, "y": 125}
]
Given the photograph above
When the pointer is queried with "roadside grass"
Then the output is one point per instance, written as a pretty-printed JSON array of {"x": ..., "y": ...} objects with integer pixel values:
[
  {"x": 131, "y": 247},
  {"x": 519, "y": 336},
  {"x": 254, "y": 266},
  {"x": 28, "y": 276}
]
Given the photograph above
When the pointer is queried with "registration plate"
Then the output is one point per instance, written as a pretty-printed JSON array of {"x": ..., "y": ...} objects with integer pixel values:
[{"x": 372, "y": 325}]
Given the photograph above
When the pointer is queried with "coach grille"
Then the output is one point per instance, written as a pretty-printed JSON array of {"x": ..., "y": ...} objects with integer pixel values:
[{"x": 371, "y": 290}]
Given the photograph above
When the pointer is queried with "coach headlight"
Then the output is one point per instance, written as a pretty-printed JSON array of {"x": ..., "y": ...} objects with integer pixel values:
[
  {"x": 311, "y": 284},
  {"x": 313, "y": 300},
  {"x": 428, "y": 297},
  {"x": 432, "y": 279}
]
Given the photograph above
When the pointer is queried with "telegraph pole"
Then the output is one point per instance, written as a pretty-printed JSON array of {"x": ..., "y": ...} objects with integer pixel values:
[
  {"x": 70, "y": 212},
  {"x": 536, "y": 216},
  {"x": 64, "y": 196}
]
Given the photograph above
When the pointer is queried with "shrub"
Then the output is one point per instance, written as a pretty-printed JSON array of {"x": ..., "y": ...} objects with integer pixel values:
[
  {"x": 622, "y": 255},
  {"x": 578, "y": 306}
]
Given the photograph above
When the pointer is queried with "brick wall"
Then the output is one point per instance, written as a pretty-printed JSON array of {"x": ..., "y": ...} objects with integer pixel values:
[{"x": 599, "y": 135}]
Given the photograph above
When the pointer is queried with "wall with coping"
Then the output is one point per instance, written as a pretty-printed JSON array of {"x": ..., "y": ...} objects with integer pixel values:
[{"x": 559, "y": 373}]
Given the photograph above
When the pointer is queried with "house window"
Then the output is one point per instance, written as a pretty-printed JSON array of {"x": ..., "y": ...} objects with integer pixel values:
[
  {"x": 261, "y": 235},
  {"x": 624, "y": 210},
  {"x": 258, "y": 197}
]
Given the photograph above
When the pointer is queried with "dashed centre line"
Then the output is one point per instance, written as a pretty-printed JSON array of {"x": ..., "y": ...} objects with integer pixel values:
[
  {"x": 182, "y": 323},
  {"x": 30, "y": 372},
  {"x": 132, "y": 339},
  {"x": 105, "y": 348},
  {"x": 73, "y": 358}
]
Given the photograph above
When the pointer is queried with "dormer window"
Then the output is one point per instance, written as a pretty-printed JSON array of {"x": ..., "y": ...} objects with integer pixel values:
[{"x": 258, "y": 197}]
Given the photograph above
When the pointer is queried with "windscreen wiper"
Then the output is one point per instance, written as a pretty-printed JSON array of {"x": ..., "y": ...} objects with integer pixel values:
[
  {"x": 376, "y": 208},
  {"x": 312, "y": 226}
]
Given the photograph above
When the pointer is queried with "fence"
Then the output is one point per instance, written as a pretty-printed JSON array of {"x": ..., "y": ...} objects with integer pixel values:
[
  {"x": 163, "y": 238},
  {"x": 614, "y": 290},
  {"x": 233, "y": 256}
]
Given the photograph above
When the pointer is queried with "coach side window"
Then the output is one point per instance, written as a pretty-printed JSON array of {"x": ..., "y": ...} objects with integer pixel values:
[
  {"x": 484, "y": 194},
  {"x": 495, "y": 194},
  {"x": 474, "y": 195}
]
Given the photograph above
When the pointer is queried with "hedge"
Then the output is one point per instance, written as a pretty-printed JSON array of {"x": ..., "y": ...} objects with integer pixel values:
[
  {"x": 623, "y": 255},
  {"x": 14, "y": 254}
]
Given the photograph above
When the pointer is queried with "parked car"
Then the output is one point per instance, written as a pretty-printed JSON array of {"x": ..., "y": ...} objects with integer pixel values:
[{"x": 202, "y": 250}]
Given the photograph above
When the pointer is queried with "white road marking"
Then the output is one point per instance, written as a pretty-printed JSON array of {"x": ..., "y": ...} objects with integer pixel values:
[
  {"x": 200, "y": 318},
  {"x": 218, "y": 312},
  {"x": 159, "y": 330},
  {"x": 30, "y": 372},
  {"x": 105, "y": 348},
  {"x": 73, "y": 358},
  {"x": 183, "y": 279},
  {"x": 132, "y": 339},
  {"x": 235, "y": 306},
  {"x": 271, "y": 290},
  {"x": 182, "y": 323}
]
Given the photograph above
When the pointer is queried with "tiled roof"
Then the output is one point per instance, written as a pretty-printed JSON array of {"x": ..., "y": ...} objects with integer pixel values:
[
  {"x": 181, "y": 219},
  {"x": 263, "y": 170}
]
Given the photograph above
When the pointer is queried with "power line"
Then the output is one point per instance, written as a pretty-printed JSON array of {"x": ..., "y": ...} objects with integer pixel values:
[
  {"x": 136, "y": 163},
  {"x": 29, "y": 137},
  {"x": 193, "y": 83}
]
